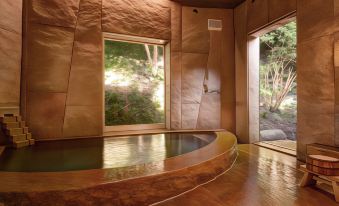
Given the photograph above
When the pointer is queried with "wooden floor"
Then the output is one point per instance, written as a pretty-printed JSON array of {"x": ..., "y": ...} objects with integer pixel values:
[{"x": 259, "y": 177}]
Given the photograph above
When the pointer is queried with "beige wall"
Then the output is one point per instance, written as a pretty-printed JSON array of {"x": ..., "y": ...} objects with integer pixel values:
[
  {"x": 201, "y": 57},
  {"x": 62, "y": 74},
  {"x": 10, "y": 52},
  {"x": 318, "y": 29}
]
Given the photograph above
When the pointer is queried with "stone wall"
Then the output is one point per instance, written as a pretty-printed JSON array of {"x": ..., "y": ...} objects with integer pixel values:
[
  {"x": 203, "y": 71},
  {"x": 318, "y": 83},
  {"x": 10, "y": 52},
  {"x": 62, "y": 84}
]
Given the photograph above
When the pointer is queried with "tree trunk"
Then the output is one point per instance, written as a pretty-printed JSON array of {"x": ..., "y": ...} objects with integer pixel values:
[
  {"x": 155, "y": 61},
  {"x": 148, "y": 55}
]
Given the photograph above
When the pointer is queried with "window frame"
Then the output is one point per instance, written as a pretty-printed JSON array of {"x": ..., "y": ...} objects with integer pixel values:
[{"x": 139, "y": 40}]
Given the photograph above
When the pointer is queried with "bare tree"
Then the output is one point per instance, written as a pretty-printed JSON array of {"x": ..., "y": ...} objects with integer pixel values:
[{"x": 152, "y": 61}]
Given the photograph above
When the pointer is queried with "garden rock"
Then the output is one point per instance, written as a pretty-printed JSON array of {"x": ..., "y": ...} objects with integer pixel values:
[{"x": 272, "y": 134}]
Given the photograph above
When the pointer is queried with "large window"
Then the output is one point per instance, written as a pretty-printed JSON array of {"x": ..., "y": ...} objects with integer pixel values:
[{"x": 134, "y": 83}]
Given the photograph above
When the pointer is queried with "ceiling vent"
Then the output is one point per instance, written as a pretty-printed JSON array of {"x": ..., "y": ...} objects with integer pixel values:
[{"x": 214, "y": 25}]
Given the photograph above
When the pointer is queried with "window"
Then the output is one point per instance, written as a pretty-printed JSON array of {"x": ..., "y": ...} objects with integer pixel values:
[{"x": 134, "y": 83}]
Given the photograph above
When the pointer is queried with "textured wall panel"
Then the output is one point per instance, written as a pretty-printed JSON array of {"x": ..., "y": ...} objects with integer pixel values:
[
  {"x": 148, "y": 18},
  {"x": 10, "y": 52},
  {"x": 86, "y": 76},
  {"x": 85, "y": 88},
  {"x": 176, "y": 27},
  {"x": 46, "y": 114},
  {"x": 278, "y": 8},
  {"x": 176, "y": 115},
  {"x": 314, "y": 19},
  {"x": 53, "y": 12},
  {"x": 194, "y": 30},
  {"x": 10, "y": 67},
  {"x": 49, "y": 58},
  {"x": 82, "y": 121},
  {"x": 316, "y": 82},
  {"x": 209, "y": 112},
  {"x": 189, "y": 116},
  {"x": 257, "y": 14},
  {"x": 315, "y": 76},
  {"x": 193, "y": 73},
  {"x": 11, "y": 15},
  {"x": 175, "y": 90},
  {"x": 227, "y": 74},
  {"x": 175, "y": 77},
  {"x": 241, "y": 73},
  {"x": 214, "y": 63},
  {"x": 208, "y": 66}
]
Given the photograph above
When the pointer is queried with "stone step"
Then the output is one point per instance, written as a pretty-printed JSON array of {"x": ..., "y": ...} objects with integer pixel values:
[
  {"x": 31, "y": 141},
  {"x": 14, "y": 131},
  {"x": 20, "y": 144},
  {"x": 25, "y": 130},
  {"x": 10, "y": 125},
  {"x": 18, "y": 138},
  {"x": 22, "y": 123},
  {"x": 29, "y": 136},
  {"x": 8, "y": 119}
]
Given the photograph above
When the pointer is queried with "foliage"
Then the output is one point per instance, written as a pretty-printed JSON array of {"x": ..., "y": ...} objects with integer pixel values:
[
  {"x": 137, "y": 65},
  {"x": 130, "y": 59},
  {"x": 278, "y": 65},
  {"x": 132, "y": 107}
]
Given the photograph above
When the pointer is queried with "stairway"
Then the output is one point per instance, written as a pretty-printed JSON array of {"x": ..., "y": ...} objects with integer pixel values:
[{"x": 16, "y": 131}]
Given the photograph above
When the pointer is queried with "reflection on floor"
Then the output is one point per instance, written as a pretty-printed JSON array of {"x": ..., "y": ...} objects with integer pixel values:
[
  {"x": 259, "y": 177},
  {"x": 285, "y": 146}
]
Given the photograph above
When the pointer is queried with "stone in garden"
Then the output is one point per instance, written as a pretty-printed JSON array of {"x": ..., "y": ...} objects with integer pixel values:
[{"x": 272, "y": 134}]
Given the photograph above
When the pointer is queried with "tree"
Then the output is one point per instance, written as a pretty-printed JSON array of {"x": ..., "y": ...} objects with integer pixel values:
[
  {"x": 135, "y": 76},
  {"x": 278, "y": 65}
]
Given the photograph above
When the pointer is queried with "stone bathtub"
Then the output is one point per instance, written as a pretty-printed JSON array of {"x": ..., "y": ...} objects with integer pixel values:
[{"x": 136, "y": 170}]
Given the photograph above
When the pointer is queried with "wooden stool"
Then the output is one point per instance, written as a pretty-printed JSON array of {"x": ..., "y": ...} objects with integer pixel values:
[{"x": 311, "y": 177}]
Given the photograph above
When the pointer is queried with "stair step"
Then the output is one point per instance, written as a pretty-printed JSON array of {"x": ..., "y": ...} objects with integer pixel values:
[
  {"x": 20, "y": 144},
  {"x": 14, "y": 131},
  {"x": 31, "y": 141},
  {"x": 18, "y": 138},
  {"x": 8, "y": 119},
  {"x": 9, "y": 125},
  {"x": 29, "y": 136},
  {"x": 25, "y": 130},
  {"x": 22, "y": 123}
]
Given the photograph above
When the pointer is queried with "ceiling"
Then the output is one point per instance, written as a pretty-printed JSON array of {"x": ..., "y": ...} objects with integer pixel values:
[{"x": 228, "y": 4}]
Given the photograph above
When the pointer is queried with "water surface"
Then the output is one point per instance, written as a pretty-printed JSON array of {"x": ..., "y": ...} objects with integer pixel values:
[{"x": 96, "y": 153}]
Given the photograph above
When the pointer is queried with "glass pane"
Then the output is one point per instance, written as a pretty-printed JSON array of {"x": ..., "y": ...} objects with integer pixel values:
[{"x": 134, "y": 83}]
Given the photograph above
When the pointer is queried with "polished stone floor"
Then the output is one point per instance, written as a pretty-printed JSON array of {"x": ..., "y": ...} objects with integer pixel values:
[
  {"x": 97, "y": 153},
  {"x": 259, "y": 177}
]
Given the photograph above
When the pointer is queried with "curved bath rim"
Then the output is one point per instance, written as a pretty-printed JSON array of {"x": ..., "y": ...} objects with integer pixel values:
[{"x": 140, "y": 185}]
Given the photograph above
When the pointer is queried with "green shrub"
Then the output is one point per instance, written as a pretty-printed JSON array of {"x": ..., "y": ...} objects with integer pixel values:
[{"x": 132, "y": 107}]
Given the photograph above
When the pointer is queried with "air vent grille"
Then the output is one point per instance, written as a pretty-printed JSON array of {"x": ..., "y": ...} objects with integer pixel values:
[{"x": 214, "y": 25}]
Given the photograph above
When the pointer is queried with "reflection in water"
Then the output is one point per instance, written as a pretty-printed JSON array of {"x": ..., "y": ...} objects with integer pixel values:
[{"x": 101, "y": 153}]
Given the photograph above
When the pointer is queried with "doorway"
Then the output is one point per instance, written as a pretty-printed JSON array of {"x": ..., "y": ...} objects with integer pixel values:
[{"x": 278, "y": 88}]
